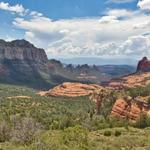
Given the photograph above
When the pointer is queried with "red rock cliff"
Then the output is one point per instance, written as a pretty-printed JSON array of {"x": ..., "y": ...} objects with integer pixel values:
[{"x": 143, "y": 65}]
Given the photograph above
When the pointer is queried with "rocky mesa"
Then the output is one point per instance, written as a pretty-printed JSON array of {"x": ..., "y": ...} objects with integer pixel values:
[
  {"x": 71, "y": 90},
  {"x": 23, "y": 63}
]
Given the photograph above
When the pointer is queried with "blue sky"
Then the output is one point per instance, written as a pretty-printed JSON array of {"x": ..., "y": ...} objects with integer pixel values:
[
  {"x": 75, "y": 28},
  {"x": 58, "y": 9}
]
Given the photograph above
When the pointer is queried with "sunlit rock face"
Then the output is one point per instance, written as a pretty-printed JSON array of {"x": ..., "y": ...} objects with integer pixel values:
[{"x": 68, "y": 89}]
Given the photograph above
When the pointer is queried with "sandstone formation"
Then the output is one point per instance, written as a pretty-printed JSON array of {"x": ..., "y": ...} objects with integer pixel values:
[
  {"x": 23, "y": 56},
  {"x": 130, "y": 110},
  {"x": 122, "y": 109},
  {"x": 143, "y": 65},
  {"x": 131, "y": 81},
  {"x": 71, "y": 90},
  {"x": 23, "y": 63},
  {"x": 21, "y": 50}
]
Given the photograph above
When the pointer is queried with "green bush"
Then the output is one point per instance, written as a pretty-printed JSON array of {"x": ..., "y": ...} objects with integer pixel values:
[
  {"x": 139, "y": 91},
  {"x": 107, "y": 133},
  {"x": 143, "y": 121},
  {"x": 4, "y": 131},
  {"x": 25, "y": 130},
  {"x": 76, "y": 136},
  {"x": 117, "y": 133}
]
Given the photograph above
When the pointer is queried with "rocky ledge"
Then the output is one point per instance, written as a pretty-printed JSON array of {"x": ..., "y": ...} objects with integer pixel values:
[
  {"x": 71, "y": 90},
  {"x": 21, "y": 50}
]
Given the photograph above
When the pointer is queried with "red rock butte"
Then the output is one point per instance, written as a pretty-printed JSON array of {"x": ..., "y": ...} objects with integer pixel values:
[{"x": 143, "y": 65}]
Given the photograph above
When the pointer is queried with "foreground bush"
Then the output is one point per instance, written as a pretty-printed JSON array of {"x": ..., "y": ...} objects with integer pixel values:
[
  {"x": 143, "y": 121},
  {"x": 4, "y": 131},
  {"x": 76, "y": 136},
  {"x": 117, "y": 133},
  {"x": 107, "y": 133},
  {"x": 25, "y": 130}
]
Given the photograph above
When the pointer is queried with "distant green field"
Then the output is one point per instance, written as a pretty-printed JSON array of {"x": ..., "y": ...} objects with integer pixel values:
[{"x": 49, "y": 123}]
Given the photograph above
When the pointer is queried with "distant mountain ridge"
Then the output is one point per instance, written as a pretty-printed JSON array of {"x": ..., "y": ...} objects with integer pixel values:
[
  {"x": 24, "y": 64},
  {"x": 90, "y": 73}
]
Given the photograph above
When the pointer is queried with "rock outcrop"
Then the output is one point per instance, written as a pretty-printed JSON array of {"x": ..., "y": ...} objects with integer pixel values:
[
  {"x": 71, "y": 90},
  {"x": 131, "y": 81},
  {"x": 21, "y": 50},
  {"x": 130, "y": 109},
  {"x": 124, "y": 110},
  {"x": 143, "y": 65},
  {"x": 23, "y": 63}
]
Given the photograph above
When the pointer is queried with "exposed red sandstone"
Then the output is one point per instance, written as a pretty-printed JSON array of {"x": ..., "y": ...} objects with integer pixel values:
[
  {"x": 71, "y": 90},
  {"x": 130, "y": 110},
  {"x": 122, "y": 109},
  {"x": 131, "y": 81},
  {"x": 143, "y": 65}
]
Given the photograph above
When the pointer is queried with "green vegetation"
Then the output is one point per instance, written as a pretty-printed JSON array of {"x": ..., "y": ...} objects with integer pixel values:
[
  {"x": 50, "y": 123},
  {"x": 139, "y": 91}
]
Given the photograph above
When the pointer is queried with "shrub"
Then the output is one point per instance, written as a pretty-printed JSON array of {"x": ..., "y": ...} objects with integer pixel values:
[
  {"x": 139, "y": 91},
  {"x": 143, "y": 121},
  {"x": 25, "y": 130},
  {"x": 148, "y": 101},
  {"x": 117, "y": 133},
  {"x": 107, "y": 133},
  {"x": 4, "y": 131},
  {"x": 77, "y": 136}
]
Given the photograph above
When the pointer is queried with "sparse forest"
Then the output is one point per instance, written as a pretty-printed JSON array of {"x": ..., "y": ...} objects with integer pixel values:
[{"x": 50, "y": 123}]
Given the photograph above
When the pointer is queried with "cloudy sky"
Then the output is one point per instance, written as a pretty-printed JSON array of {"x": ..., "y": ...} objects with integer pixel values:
[{"x": 79, "y": 28}]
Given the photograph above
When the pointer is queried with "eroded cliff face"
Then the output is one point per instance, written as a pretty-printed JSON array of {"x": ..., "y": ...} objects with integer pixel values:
[
  {"x": 21, "y": 50},
  {"x": 130, "y": 109},
  {"x": 124, "y": 110},
  {"x": 21, "y": 62}
]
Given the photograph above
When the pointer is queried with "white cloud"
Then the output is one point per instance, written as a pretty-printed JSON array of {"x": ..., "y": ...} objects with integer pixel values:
[
  {"x": 120, "y": 1},
  {"x": 36, "y": 14},
  {"x": 136, "y": 45},
  {"x": 102, "y": 36},
  {"x": 108, "y": 19},
  {"x": 143, "y": 25},
  {"x": 121, "y": 12},
  {"x": 15, "y": 9},
  {"x": 144, "y": 4}
]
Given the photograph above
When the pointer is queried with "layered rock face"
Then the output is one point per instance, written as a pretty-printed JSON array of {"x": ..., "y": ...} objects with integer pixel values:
[
  {"x": 143, "y": 65},
  {"x": 71, "y": 90},
  {"x": 130, "y": 110},
  {"x": 124, "y": 110},
  {"x": 21, "y": 62},
  {"x": 21, "y": 50}
]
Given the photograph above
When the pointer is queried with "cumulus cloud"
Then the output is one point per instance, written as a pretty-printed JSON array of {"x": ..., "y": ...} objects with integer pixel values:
[
  {"x": 118, "y": 32},
  {"x": 121, "y": 13},
  {"x": 35, "y": 14},
  {"x": 143, "y": 25},
  {"x": 108, "y": 19},
  {"x": 136, "y": 45},
  {"x": 102, "y": 36},
  {"x": 120, "y": 1},
  {"x": 19, "y": 9},
  {"x": 144, "y": 4}
]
